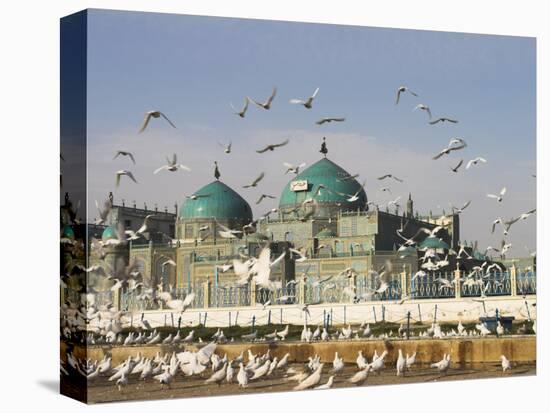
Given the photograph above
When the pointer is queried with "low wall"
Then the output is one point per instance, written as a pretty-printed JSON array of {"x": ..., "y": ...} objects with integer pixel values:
[
  {"x": 462, "y": 350},
  {"x": 444, "y": 310}
]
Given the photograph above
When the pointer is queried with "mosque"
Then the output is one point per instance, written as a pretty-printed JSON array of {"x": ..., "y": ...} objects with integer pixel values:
[{"x": 323, "y": 212}]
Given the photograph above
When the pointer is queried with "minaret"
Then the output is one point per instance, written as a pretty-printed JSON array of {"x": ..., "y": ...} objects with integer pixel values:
[
  {"x": 216, "y": 171},
  {"x": 410, "y": 207},
  {"x": 324, "y": 149}
]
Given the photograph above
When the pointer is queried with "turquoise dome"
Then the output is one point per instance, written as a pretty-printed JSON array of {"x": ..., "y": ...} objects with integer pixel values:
[
  {"x": 67, "y": 232},
  {"x": 108, "y": 233},
  {"x": 216, "y": 200},
  {"x": 327, "y": 173}
]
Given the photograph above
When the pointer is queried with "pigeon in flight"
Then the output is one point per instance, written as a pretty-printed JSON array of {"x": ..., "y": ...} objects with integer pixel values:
[
  {"x": 475, "y": 161},
  {"x": 328, "y": 120},
  {"x": 306, "y": 103},
  {"x": 123, "y": 172},
  {"x": 442, "y": 120},
  {"x": 454, "y": 145},
  {"x": 154, "y": 114},
  {"x": 425, "y": 108},
  {"x": 256, "y": 181},
  {"x": 124, "y": 153},
  {"x": 241, "y": 112},
  {"x": 272, "y": 147},
  {"x": 498, "y": 197},
  {"x": 267, "y": 104},
  {"x": 403, "y": 89},
  {"x": 456, "y": 168},
  {"x": 389, "y": 176}
]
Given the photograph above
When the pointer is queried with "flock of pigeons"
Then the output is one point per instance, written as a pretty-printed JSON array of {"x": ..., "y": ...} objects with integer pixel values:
[{"x": 205, "y": 364}]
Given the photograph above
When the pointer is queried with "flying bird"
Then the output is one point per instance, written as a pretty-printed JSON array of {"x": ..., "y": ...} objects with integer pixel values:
[
  {"x": 154, "y": 114},
  {"x": 328, "y": 120},
  {"x": 255, "y": 182},
  {"x": 272, "y": 147},
  {"x": 425, "y": 108},
  {"x": 455, "y": 169},
  {"x": 475, "y": 161},
  {"x": 454, "y": 145},
  {"x": 389, "y": 176},
  {"x": 267, "y": 104},
  {"x": 226, "y": 148},
  {"x": 263, "y": 196},
  {"x": 306, "y": 103},
  {"x": 294, "y": 169},
  {"x": 172, "y": 165},
  {"x": 124, "y": 153},
  {"x": 498, "y": 197},
  {"x": 461, "y": 209},
  {"x": 124, "y": 172},
  {"x": 403, "y": 89},
  {"x": 242, "y": 112},
  {"x": 442, "y": 120}
]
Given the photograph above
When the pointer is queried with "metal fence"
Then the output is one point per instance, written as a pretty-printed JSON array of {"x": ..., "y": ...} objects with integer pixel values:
[{"x": 342, "y": 289}]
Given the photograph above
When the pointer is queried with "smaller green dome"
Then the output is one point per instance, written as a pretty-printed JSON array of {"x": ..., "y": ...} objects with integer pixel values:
[
  {"x": 434, "y": 243},
  {"x": 216, "y": 201},
  {"x": 108, "y": 233},
  {"x": 325, "y": 233},
  {"x": 67, "y": 232}
]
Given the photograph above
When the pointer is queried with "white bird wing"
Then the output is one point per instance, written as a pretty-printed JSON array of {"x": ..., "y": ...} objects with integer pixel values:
[
  {"x": 296, "y": 101},
  {"x": 145, "y": 121},
  {"x": 278, "y": 259},
  {"x": 160, "y": 169}
]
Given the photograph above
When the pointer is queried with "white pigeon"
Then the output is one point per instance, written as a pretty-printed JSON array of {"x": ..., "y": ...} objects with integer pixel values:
[
  {"x": 312, "y": 380},
  {"x": 337, "y": 364},
  {"x": 360, "y": 377},
  {"x": 327, "y": 385},
  {"x": 498, "y": 197},
  {"x": 475, "y": 161},
  {"x": 361, "y": 360},
  {"x": 306, "y": 103},
  {"x": 505, "y": 363},
  {"x": 155, "y": 114},
  {"x": 443, "y": 365},
  {"x": 409, "y": 361},
  {"x": 401, "y": 364},
  {"x": 242, "y": 376}
]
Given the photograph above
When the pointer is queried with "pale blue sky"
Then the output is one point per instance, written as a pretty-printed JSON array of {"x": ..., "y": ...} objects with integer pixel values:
[{"x": 192, "y": 67}]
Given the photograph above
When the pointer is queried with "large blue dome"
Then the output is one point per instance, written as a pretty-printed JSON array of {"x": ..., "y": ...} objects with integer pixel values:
[
  {"x": 216, "y": 200},
  {"x": 335, "y": 179}
]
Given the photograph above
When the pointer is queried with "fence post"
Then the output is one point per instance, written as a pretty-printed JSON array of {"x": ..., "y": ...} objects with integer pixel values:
[
  {"x": 352, "y": 284},
  {"x": 253, "y": 323},
  {"x": 496, "y": 320},
  {"x": 236, "y": 318},
  {"x": 405, "y": 287},
  {"x": 229, "y": 319},
  {"x": 383, "y": 313},
  {"x": 331, "y": 317},
  {"x": 435, "y": 313},
  {"x": 204, "y": 322},
  {"x": 419, "y": 314},
  {"x": 116, "y": 299},
  {"x": 374, "y": 314},
  {"x": 281, "y": 317},
  {"x": 252, "y": 293},
  {"x": 172, "y": 316},
  {"x": 269, "y": 317},
  {"x": 513, "y": 280},
  {"x": 206, "y": 293},
  {"x": 458, "y": 289},
  {"x": 408, "y": 324},
  {"x": 302, "y": 284}
]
